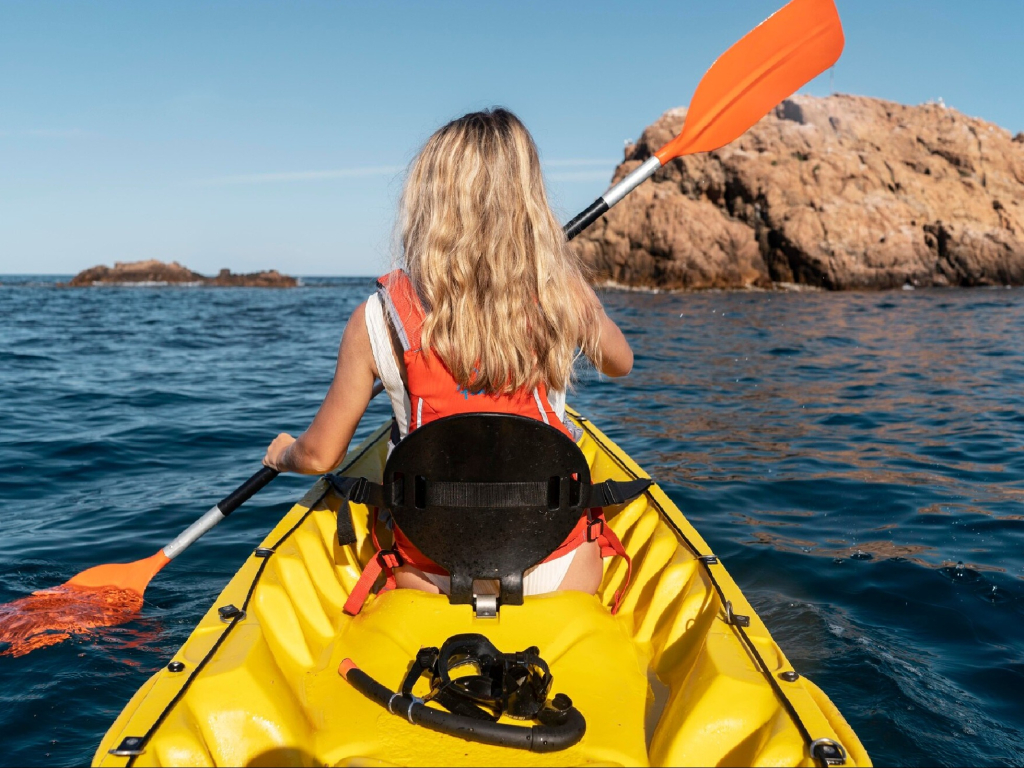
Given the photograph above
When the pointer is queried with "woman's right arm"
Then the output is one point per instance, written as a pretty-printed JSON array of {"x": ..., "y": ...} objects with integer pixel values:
[
  {"x": 616, "y": 354},
  {"x": 322, "y": 446}
]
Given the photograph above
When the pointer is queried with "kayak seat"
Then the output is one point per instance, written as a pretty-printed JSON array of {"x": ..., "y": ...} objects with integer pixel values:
[
  {"x": 590, "y": 653},
  {"x": 486, "y": 496}
]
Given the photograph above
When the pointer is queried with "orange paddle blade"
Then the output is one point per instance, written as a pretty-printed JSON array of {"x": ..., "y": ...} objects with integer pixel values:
[
  {"x": 783, "y": 53},
  {"x": 103, "y": 596},
  {"x": 134, "y": 577}
]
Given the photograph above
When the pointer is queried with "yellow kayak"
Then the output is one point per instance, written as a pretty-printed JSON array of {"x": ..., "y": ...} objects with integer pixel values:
[{"x": 684, "y": 674}]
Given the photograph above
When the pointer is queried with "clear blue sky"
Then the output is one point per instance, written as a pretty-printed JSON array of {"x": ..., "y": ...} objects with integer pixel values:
[{"x": 255, "y": 135}]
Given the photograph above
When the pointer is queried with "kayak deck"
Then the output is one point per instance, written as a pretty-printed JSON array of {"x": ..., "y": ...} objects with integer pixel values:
[{"x": 667, "y": 681}]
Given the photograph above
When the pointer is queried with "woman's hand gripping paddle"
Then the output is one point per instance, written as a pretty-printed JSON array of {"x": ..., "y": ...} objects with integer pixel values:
[
  {"x": 107, "y": 595},
  {"x": 783, "y": 53}
]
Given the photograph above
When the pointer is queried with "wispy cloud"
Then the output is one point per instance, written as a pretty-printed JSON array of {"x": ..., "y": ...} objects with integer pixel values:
[
  {"x": 604, "y": 173},
  {"x": 575, "y": 170},
  {"x": 289, "y": 176},
  {"x": 42, "y": 133}
]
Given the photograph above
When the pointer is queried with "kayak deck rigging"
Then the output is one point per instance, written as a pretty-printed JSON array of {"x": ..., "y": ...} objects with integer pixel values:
[{"x": 684, "y": 674}]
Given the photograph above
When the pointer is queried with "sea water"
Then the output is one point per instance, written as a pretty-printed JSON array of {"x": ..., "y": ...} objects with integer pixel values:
[{"x": 856, "y": 460}]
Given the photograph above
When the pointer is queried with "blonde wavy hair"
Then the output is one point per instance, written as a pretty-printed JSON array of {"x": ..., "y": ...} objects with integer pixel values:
[{"x": 506, "y": 299}]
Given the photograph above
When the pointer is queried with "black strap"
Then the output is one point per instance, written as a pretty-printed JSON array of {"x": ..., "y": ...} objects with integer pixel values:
[
  {"x": 353, "y": 490},
  {"x": 529, "y": 494},
  {"x": 492, "y": 495},
  {"x": 613, "y": 492},
  {"x": 359, "y": 490}
]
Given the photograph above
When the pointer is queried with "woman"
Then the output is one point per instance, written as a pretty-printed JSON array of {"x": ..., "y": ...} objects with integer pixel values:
[{"x": 487, "y": 316}]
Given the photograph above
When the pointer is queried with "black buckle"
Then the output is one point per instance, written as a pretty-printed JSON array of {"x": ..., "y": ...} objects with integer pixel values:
[
  {"x": 614, "y": 492},
  {"x": 356, "y": 490},
  {"x": 593, "y": 524},
  {"x": 357, "y": 493},
  {"x": 390, "y": 559},
  {"x": 340, "y": 483}
]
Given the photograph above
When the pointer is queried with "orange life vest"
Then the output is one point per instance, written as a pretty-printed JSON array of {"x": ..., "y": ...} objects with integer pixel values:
[{"x": 434, "y": 394}]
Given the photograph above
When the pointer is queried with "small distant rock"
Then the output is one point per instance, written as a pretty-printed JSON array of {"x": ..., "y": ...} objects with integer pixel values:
[
  {"x": 268, "y": 278},
  {"x": 153, "y": 272}
]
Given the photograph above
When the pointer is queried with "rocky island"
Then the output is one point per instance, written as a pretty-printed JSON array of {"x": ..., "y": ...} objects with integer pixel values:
[
  {"x": 843, "y": 192},
  {"x": 153, "y": 272}
]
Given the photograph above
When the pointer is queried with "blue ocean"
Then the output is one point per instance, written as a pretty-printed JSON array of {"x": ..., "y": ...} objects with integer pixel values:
[{"x": 856, "y": 460}]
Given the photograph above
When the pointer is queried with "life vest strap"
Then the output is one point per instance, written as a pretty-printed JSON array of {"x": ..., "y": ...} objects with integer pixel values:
[{"x": 383, "y": 561}]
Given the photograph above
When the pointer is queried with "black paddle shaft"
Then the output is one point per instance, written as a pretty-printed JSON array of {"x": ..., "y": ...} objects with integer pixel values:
[
  {"x": 584, "y": 219},
  {"x": 246, "y": 490}
]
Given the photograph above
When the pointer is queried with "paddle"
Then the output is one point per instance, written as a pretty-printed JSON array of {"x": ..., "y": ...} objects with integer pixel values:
[
  {"x": 136, "y": 576},
  {"x": 106, "y": 595},
  {"x": 783, "y": 53}
]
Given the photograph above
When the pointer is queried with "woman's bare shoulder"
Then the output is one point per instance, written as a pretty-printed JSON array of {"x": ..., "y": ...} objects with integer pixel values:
[{"x": 355, "y": 346}]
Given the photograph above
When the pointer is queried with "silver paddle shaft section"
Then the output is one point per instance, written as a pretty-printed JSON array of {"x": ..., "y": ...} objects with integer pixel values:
[
  {"x": 190, "y": 535},
  {"x": 614, "y": 194},
  {"x": 219, "y": 511},
  {"x": 633, "y": 180}
]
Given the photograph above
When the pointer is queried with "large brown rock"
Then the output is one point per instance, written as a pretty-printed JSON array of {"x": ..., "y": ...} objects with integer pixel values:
[
  {"x": 841, "y": 192},
  {"x": 160, "y": 273}
]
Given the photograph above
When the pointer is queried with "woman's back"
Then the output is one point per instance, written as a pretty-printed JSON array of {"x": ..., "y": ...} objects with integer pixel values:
[
  {"x": 422, "y": 388},
  {"x": 487, "y": 315}
]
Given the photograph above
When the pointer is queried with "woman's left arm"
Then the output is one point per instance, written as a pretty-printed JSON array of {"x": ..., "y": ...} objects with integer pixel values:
[{"x": 323, "y": 445}]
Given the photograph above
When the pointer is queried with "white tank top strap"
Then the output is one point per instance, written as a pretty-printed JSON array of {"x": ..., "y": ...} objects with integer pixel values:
[
  {"x": 540, "y": 405},
  {"x": 388, "y": 305},
  {"x": 557, "y": 399},
  {"x": 387, "y": 365}
]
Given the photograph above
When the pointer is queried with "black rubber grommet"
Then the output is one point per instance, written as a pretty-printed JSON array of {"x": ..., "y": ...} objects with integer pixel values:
[
  {"x": 175, "y": 666},
  {"x": 790, "y": 677}
]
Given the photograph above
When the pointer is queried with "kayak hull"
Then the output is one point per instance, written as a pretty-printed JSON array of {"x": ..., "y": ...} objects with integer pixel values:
[{"x": 672, "y": 679}]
